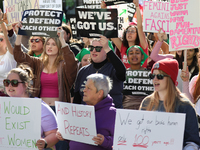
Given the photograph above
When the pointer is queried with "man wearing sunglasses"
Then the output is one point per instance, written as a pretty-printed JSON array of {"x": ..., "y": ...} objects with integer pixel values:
[{"x": 104, "y": 61}]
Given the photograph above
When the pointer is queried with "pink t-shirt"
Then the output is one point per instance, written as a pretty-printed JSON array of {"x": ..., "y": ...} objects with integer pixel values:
[
  {"x": 49, "y": 85},
  {"x": 125, "y": 59}
]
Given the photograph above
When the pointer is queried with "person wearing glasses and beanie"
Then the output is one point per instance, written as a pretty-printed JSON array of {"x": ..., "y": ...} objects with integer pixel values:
[
  {"x": 18, "y": 84},
  {"x": 136, "y": 58},
  {"x": 132, "y": 35},
  {"x": 104, "y": 61},
  {"x": 168, "y": 98}
]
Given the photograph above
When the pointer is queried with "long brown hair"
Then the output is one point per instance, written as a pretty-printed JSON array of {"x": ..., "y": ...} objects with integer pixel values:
[
  {"x": 45, "y": 57},
  {"x": 30, "y": 52},
  {"x": 196, "y": 88},
  {"x": 170, "y": 100},
  {"x": 124, "y": 40}
]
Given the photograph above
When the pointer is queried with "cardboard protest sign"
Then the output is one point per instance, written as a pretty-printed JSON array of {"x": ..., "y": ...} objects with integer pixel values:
[
  {"x": 156, "y": 16},
  {"x": 73, "y": 27},
  {"x": 184, "y": 25},
  {"x": 122, "y": 17},
  {"x": 15, "y": 8},
  {"x": 41, "y": 22},
  {"x": 76, "y": 122},
  {"x": 138, "y": 83},
  {"x": 51, "y": 4},
  {"x": 20, "y": 123},
  {"x": 95, "y": 22},
  {"x": 91, "y": 4},
  {"x": 116, "y": 2},
  {"x": 148, "y": 130}
]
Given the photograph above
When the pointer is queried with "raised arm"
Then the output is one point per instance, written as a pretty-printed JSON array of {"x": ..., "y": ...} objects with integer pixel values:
[
  {"x": 143, "y": 41},
  {"x": 3, "y": 18},
  {"x": 154, "y": 54}
]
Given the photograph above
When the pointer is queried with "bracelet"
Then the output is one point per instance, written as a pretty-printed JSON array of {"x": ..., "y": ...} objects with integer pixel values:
[{"x": 45, "y": 146}]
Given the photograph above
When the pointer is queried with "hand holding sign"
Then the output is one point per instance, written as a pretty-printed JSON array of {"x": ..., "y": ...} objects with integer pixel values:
[
  {"x": 185, "y": 74},
  {"x": 136, "y": 2},
  {"x": 104, "y": 43},
  {"x": 98, "y": 139},
  {"x": 59, "y": 136}
]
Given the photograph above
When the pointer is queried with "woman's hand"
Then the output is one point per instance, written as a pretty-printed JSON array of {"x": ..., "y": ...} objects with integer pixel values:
[
  {"x": 161, "y": 36},
  {"x": 103, "y": 5},
  {"x": 40, "y": 144},
  {"x": 60, "y": 33},
  {"x": 185, "y": 75},
  {"x": 98, "y": 139},
  {"x": 17, "y": 26},
  {"x": 104, "y": 43},
  {"x": 59, "y": 136},
  {"x": 1, "y": 17},
  {"x": 136, "y": 2}
]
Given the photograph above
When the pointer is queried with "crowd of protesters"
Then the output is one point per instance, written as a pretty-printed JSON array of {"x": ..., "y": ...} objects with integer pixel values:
[{"x": 91, "y": 73}]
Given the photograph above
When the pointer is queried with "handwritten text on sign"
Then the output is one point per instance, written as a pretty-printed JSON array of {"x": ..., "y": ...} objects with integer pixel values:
[
  {"x": 76, "y": 122},
  {"x": 184, "y": 25},
  {"x": 156, "y": 16},
  {"x": 136, "y": 129},
  {"x": 15, "y": 8},
  {"x": 17, "y": 118}
]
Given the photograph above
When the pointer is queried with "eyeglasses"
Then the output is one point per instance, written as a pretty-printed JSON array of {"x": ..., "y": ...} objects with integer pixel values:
[
  {"x": 14, "y": 83},
  {"x": 130, "y": 31},
  {"x": 36, "y": 40},
  {"x": 1, "y": 39},
  {"x": 159, "y": 76},
  {"x": 97, "y": 48}
]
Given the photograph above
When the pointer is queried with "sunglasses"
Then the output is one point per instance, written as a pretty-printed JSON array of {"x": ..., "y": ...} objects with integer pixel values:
[
  {"x": 1, "y": 39},
  {"x": 159, "y": 76},
  {"x": 97, "y": 48},
  {"x": 130, "y": 31},
  {"x": 14, "y": 83},
  {"x": 36, "y": 40}
]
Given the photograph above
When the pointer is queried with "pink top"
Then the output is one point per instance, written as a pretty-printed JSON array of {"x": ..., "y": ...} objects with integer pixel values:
[{"x": 49, "y": 85}]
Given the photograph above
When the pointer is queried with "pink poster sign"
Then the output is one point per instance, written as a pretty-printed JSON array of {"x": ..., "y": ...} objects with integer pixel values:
[{"x": 156, "y": 16}]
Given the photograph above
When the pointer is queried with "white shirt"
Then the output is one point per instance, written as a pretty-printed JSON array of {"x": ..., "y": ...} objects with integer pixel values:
[{"x": 7, "y": 62}]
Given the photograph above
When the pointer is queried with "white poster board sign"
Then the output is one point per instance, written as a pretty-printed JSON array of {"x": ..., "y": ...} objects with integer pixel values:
[
  {"x": 123, "y": 21},
  {"x": 76, "y": 122},
  {"x": 15, "y": 8},
  {"x": 51, "y": 4},
  {"x": 155, "y": 16},
  {"x": 20, "y": 122},
  {"x": 184, "y": 25},
  {"x": 135, "y": 130}
]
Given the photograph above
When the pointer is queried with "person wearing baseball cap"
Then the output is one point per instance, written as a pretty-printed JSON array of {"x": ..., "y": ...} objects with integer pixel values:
[{"x": 168, "y": 98}]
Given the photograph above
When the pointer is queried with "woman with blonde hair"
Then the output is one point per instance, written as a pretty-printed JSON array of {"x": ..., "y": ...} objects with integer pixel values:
[
  {"x": 55, "y": 71},
  {"x": 167, "y": 98}
]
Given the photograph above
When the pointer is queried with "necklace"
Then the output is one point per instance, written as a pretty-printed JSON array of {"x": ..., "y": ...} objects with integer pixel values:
[{"x": 99, "y": 69}]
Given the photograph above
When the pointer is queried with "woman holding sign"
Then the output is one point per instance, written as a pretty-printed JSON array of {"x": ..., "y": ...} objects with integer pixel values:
[
  {"x": 168, "y": 98},
  {"x": 133, "y": 35},
  {"x": 18, "y": 84},
  {"x": 55, "y": 71}
]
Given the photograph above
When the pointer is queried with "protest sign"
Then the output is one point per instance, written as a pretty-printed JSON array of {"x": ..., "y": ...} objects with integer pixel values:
[
  {"x": 131, "y": 9},
  {"x": 95, "y": 22},
  {"x": 91, "y": 4},
  {"x": 15, "y": 8},
  {"x": 116, "y": 2},
  {"x": 76, "y": 122},
  {"x": 41, "y": 22},
  {"x": 73, "y": 27},
  {"x": 122, "y": 17},
  {"x": 138, "y": 83},
  {"x": 51, "y": 4},
  {"x": 20, "y": 123},
  {"x": 184, "y": 25},
  {"x": 148, "y": 130},
  {"x": 156, "y": 16}
]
